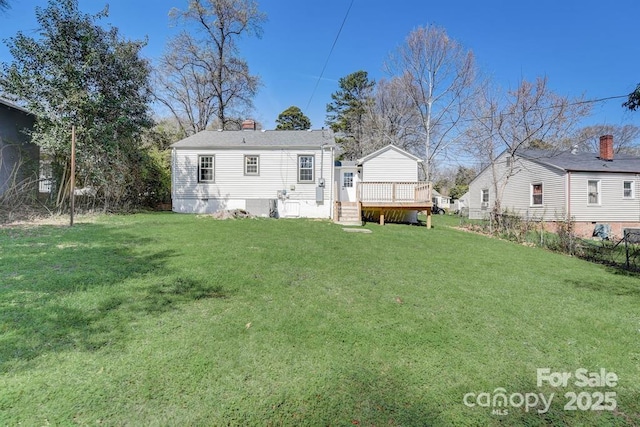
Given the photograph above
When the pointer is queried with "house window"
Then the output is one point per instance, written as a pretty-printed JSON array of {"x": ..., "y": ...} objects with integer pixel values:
[
  {"x": 206, "y": 168},
  {"x": 594, "y": 192},
  {"x": 536, "y": 194},
  {"x": 252, "y": 165},
  {"x": 628, "y": 188},
  {"x": 348, "y": 179},
  {"x": 485, "y": 195},
  {"x": 305, "y": 168}
]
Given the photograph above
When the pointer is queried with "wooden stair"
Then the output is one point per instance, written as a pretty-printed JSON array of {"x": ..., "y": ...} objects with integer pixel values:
[{"x": 348, "y": 213}]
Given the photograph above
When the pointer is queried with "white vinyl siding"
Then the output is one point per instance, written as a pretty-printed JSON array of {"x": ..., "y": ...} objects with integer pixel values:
[
  {"x": 278, "y": 172},
  {"x": 517, "y": 194},
  {"x": 390, "y": 166},
  {"x": 613, "y": 205}
]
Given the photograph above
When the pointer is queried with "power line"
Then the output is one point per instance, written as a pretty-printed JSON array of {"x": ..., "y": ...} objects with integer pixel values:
[
  {"x": 329, "y": 56},
  {"x": 551, "y": 107}
]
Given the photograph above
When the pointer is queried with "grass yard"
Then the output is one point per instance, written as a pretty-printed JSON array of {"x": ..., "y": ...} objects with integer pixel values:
[{"x": 166, "y": 319}]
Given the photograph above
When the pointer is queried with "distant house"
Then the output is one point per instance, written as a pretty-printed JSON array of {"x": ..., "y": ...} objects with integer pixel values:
[
  {"x": 292, "y": 174},
  {"x": 461, "y": 205},
  {"x": 439, "y": 200},
  {"x": 550, "y": 186},
  {"x": 19, "y": 157}
]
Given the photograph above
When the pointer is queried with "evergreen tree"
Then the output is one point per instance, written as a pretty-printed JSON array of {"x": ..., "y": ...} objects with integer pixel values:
[
  {"x": 293, "y": 119},
  {"x": 347, "y": 112}
]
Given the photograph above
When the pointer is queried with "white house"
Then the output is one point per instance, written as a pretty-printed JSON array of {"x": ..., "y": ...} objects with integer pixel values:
[
  {"x": 382, "y": 184},
  {"x": 267, "y": 173},
  {"x": 293, "y": 174},
  {"x": 461, "y": 205},
  {"x": 551, "y": 186},
  {"x": 439, "y": 200}
]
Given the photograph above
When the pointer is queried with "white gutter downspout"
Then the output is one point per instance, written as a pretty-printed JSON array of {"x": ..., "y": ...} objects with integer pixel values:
[{"x": 331, "y": 186}]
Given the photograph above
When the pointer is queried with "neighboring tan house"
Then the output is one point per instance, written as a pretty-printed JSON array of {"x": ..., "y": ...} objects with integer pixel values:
[
  {"x": 588, "y": 188},
  {"x": 292, "y": 174},
  {"x": 19, "y": 158}
]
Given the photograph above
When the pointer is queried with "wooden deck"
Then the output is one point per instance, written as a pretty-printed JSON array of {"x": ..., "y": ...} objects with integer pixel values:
[{"x": 394, "y": 196}]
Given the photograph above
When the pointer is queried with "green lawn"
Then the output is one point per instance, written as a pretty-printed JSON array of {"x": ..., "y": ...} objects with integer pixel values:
[{"x": 166, "y": 319}]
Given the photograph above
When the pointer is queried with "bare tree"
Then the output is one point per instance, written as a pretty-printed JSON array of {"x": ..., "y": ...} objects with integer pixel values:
[
  {"x": 517, "y": 120},
  {"x": 626, "y": 138},
  {"x": 391, "y": 119},
  {"x": 437, "y": 76},
  {"x": 201, "y": 77}
]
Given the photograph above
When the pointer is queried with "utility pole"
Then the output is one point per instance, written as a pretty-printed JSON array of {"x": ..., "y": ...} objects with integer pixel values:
[{"x": 72, "y": 186}]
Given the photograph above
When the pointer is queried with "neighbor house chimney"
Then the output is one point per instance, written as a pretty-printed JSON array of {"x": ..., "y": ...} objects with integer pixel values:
[
  {"x": 249, "y": 125},
  {"x": 606, "y": 147}
]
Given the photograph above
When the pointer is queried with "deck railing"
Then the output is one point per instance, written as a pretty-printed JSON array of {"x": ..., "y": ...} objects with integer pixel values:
[{"x": 394, "y": 192}]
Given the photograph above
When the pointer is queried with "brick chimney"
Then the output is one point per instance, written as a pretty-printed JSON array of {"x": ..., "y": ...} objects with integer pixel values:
[
  {"x": 249, "y": 125},
  {"x": 606, "y": 147}
]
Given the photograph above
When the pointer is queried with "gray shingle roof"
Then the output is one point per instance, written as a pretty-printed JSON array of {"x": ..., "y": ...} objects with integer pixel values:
[
  {"x": 257, "y": 139},
  {"x": 583, "y": 162},
  {"x": 10, "y": 104}
]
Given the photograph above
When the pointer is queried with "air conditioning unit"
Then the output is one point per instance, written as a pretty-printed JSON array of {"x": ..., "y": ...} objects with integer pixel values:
[{"x": 484, "y": 205}]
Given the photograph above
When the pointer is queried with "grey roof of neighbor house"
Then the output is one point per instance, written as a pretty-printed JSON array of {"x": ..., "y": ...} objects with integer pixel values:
[
  {"x": 10, "y": 104},
  {"x": 257, "y": 139},
  {"x": 583, "y": 162}
]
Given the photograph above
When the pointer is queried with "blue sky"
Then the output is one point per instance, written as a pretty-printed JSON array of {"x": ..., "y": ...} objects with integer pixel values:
[{"x": 583, "y": 47}]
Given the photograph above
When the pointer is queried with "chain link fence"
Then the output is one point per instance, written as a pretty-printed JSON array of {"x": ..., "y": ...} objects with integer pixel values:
[{"x": 560, "y": 236}]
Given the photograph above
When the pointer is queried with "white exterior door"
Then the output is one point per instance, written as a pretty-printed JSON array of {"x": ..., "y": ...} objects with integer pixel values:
[{"x": 348, "y": 185}]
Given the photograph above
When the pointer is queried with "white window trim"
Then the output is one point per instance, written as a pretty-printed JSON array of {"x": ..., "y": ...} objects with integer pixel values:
[
  {"x": 633, "y": 190},
  {"x": 313, "y": 169},
  {"x": 344, "y": 179},
  {"x": 598, "y": 189},
  {"x": 531, "y": 204},
  {"x": 482, "y": 195},
  {"x": 213, "y": 167},
  {"x": 257, "y": 173}
]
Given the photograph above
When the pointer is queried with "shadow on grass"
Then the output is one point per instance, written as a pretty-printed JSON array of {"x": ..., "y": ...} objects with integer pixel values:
[
  {"x": 355, "y": 395},
  {"x": 79, "y": 289},
  {"x": 610, "y": 287}
]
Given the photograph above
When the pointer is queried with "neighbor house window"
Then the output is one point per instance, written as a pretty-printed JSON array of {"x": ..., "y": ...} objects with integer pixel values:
[
  {"x": 206, "y": 168},
  {"x": 594, "y": 192},
  {"x": 485, "y": 195},
  {"x": 628, "y": 190},
  {"x": 252, "y": 165},
  {"x": 305, "y": 168},
  {"x": 536, "y": 194},
  {"x": 348, "y": 179}
]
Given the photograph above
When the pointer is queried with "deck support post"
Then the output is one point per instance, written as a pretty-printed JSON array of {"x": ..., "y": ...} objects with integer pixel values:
[
  {"x": 381, "y": 218},
  {"x": 428, "y": 218}
]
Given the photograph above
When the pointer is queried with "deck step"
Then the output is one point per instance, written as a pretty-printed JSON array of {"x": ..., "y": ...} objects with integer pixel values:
[{"x": 348, "y": 214}]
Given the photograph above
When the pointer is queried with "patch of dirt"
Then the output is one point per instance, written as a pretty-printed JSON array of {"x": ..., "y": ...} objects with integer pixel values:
[
  {"x": 36, "y": 218},
  {"x": 231, "y": 214}
]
